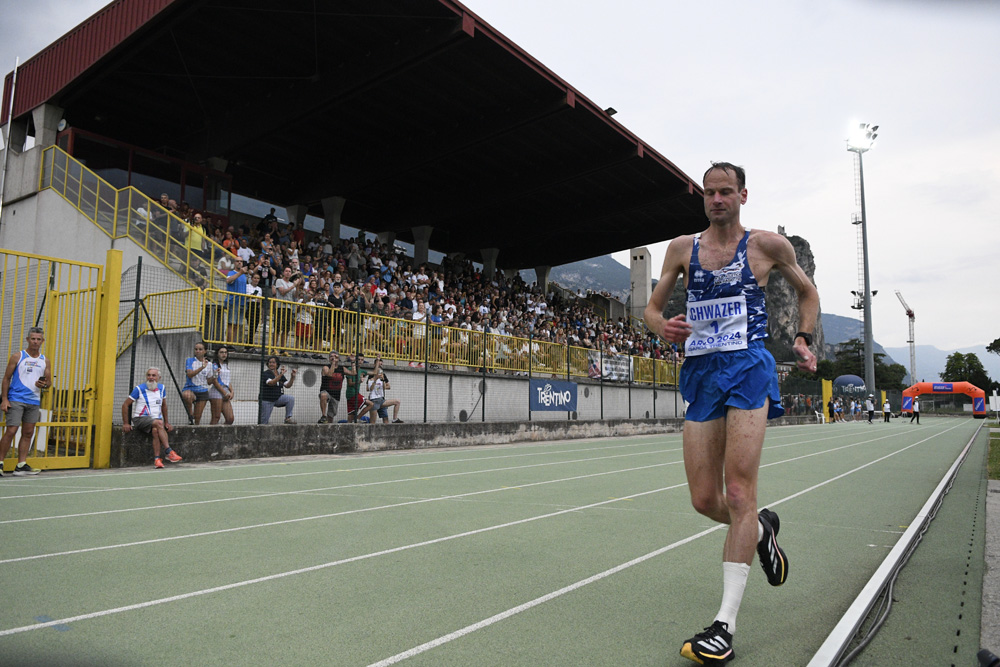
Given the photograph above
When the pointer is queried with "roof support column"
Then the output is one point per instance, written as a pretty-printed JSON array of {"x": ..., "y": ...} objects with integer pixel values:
[
  {"x": 333, "y": 208},
  {"x": 489, "y": 261},
  {"x": 421, "y": 243},
  {"x": 18, "y": 133},
  {"x": 297, "y": 213},
  {"x": 46, "y": 119},
  {"x": 542, "y": 277}
]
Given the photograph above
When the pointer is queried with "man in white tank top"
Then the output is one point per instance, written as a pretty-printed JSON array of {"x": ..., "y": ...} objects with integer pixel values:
[{"x": 28, "y": 374}]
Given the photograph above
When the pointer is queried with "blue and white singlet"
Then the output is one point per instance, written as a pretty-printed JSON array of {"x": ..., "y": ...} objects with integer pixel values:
[
  {"x": 28, "y": 371},
  {"x": 725, "y": 307}
]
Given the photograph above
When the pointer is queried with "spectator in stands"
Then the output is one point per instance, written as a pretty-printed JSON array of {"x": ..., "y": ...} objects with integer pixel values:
[
  {"x": 375, "y": 386},
  {"x": 253, "y": 308},
  {"x": 245, "y": 252},
  {"x": 273, "y": 385},
  {"x": 236, "y": 286},
  {"x": 220, "y": 394},
  {"x": 229, "y": 242},
  {"x": 353, "y": 390},
  {"x": 393, "y": 403},
  {"x": 355, "y": 260},
  {"x": 304, "y": 322},
  {"x": 150, "y": 416},
  {"x": 200, "y": 377},
  {"x": 330, "y": 385},
  {"x": 285, "y": 289}
]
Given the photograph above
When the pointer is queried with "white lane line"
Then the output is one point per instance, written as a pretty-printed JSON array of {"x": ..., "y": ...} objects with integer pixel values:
[
  {"x": 359, "y": 484},
  {"x": 330, "y": 488},
  {"x": 486, "y": 622},
  {"x": 314, "y": 568},
  {"x": 362, "y": 510},
  {"x": 328, "y": 472},
  {"x": 352, "y": 468},
  {"x": 322, "y": 566}
]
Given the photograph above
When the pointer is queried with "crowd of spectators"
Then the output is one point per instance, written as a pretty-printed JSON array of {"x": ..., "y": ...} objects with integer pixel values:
[{"x": 360, "y": 274}]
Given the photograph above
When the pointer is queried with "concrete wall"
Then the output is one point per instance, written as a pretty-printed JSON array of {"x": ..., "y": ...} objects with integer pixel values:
[
  {"x": 218, "y": 443},
  {"x": 453, "y": 396},
  {"x": 199, "y": 444}
]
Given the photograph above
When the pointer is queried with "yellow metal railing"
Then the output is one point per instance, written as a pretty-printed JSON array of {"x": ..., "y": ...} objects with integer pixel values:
[
  {"x": 182, "y": 248},
  {"x": 299, "y": 328},
  {"x": 176, "y": 309}
]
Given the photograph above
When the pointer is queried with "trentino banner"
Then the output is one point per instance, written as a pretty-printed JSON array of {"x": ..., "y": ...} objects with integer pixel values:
[{"x": 557, "y": 395}]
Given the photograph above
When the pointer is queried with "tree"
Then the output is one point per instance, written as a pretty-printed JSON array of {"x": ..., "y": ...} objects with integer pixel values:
[
  {"x": 966, "y": 368},
  {"x": 994, "y": 347}
]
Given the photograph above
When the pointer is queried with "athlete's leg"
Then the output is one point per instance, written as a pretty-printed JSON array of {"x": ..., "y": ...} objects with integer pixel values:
[
  {"x": 744, "y": 440},
  {"x": 704, "y": 458}
]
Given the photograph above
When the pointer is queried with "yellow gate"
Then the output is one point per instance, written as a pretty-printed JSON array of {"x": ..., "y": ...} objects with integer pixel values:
[{"x": 63, "y": 298}]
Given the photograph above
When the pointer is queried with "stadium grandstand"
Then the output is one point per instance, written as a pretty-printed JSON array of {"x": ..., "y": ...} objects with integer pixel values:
[{"x": 417, "y": 124}]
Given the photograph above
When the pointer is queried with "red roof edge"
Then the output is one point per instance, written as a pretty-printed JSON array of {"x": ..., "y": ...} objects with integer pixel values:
[{"x": 43, "y": 75}]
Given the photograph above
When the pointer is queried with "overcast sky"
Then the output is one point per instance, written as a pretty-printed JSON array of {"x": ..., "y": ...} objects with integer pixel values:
[{"x": 775, "y": 86}]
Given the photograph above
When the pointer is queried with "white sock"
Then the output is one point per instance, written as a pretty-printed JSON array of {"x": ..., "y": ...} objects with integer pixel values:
[{"x": 734, "y": 580}]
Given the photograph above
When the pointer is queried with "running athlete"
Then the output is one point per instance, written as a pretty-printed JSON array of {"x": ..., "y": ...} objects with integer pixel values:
[
  {"x": 27, "y": 375},
  {"x": 730, "y": 381}
]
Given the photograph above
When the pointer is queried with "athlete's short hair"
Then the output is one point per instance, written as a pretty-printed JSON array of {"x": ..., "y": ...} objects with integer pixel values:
[
  {"x": 36, "y": 330},
  {"x": 741, "y": 174}
]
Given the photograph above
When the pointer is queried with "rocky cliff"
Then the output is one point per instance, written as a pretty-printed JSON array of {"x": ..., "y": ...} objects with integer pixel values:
[{"x": 782, "y": 306}]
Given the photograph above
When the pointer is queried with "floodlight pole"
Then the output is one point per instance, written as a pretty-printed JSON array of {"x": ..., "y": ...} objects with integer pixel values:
[{"x": 867, "y": 301}]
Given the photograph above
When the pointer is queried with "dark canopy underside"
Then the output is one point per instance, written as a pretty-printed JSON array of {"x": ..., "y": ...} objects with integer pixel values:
[{"x": 415, "y": 111}]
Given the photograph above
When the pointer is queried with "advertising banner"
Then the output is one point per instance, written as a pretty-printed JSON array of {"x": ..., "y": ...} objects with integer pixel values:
[{"x": 557, "y": 395}]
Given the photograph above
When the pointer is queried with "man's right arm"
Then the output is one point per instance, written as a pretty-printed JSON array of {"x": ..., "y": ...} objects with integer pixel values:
[
  {"x": 7, "y": 375},
  {"x": 126, "y": 407},
  {"x": 676, "y": 329}
]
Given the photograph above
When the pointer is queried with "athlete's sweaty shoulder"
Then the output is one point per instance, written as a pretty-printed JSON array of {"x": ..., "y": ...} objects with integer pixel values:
[{"x": 678, "y": 255}]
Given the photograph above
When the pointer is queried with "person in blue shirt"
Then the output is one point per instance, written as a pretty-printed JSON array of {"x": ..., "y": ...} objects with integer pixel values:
[
  {"x": 236, "y": 285},
  {"x": 28, "y": 374},
  {"x": 730, "y": 381}
]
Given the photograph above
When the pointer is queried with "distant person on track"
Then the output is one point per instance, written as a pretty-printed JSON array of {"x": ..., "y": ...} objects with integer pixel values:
[
  {"x": 870, "y": 407},
  {"x": 27, "y": 375},
  {"x": 886, "y": 411},
  {"x": 731, "y": 383},
  {"x": 916, "y": 411}
]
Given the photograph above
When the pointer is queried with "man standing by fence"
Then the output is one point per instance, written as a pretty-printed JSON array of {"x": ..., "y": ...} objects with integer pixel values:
[
  {"x": 28, "y": 373},
  {"x": 730, "y": 381}
]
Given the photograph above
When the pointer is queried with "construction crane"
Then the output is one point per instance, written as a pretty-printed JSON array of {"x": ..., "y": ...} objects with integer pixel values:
[{"x": 913, "y": 349}]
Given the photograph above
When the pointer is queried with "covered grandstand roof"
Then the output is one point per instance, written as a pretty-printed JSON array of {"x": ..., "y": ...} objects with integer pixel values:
[{"x": 416, "y": 111}]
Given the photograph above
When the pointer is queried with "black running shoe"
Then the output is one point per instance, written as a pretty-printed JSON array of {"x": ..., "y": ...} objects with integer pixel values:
[
  {"x": 713, "y": 646},
  {"x": 772, "y": 557},
  {"x": 23, "y": 470}
]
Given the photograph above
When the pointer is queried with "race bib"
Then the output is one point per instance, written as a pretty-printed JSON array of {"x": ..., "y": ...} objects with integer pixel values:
[{"x": 717, "y": 325}]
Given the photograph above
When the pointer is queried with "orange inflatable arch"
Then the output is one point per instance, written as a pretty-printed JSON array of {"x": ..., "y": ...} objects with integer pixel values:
[{"x": 977, "y": 394}]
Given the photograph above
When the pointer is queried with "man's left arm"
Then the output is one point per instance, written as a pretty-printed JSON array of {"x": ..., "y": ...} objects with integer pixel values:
[{"x": 783, "y": 255}]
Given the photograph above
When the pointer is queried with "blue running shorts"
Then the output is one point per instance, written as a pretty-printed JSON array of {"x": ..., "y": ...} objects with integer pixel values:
[{"x": 739, "y": 378}]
